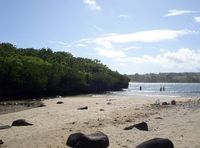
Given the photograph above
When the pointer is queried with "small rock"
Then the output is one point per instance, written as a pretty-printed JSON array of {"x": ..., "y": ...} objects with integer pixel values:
[
  {"x": 21, "y": 122},
  {"x": 73, "y": 122},
  {"x": 141, "y": 126},
  {"x": 101, "y": 109},
  {"x": 128, "y": 120},
  {"x": 164, "y": 103},
  {"x": 1, "y": 142},
  {"x": 83, "y": 108},
  {"x": 158, "y": 118},
  {"x": 42, "y": 105},
  {"x": 59, "y": 102},
  {"x": 95, "y": 140},
  {"x": 109, "y": 103},
  {"x": 156, "y": 143},
  {"x": 173, "y": 102}
]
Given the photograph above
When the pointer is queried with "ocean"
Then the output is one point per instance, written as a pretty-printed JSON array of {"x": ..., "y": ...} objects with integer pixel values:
[{"x": 161, "y": 89}]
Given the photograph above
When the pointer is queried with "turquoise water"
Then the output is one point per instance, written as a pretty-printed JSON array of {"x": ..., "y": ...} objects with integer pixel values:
[{"x": 171, "y": 89}]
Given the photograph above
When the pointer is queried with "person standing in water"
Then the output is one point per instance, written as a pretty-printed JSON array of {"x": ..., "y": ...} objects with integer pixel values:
[
  {"x": 160, "y": 88},
  {"x": 140, "y": 88}
]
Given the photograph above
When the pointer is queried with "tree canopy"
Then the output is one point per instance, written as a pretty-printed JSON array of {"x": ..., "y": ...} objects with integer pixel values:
[{"x": 41, "y": 72}]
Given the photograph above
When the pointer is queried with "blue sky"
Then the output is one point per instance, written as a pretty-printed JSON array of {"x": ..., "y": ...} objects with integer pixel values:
[{"x": 130, "y": 36}]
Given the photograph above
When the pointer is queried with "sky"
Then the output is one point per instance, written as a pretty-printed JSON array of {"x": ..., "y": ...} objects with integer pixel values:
[{"x": 129, "y": 36}]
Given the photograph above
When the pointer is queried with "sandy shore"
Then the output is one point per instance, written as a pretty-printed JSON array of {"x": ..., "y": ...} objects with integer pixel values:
[{"x": 55, "y": 122}]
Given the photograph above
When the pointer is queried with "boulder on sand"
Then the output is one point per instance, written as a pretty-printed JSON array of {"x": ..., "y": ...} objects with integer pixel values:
[
  {"x": 156, "y": 143},
  {"x": 95, "y": 140},
  {"x": 141, "y": 126},
  {"x": 21, "y": 122}
]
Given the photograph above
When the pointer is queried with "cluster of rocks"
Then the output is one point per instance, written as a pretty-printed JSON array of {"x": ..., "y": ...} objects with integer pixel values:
[
  {"x": 173, "y": 102},
  {"x": 101, "y": 140}
]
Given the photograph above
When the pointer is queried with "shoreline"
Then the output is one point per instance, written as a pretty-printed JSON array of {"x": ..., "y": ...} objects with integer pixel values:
[
  {"x": 18, "y": 105},
  {"x": 109, "y": 114}
]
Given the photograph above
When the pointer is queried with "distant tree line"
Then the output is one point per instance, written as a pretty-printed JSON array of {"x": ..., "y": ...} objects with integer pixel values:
[
  {"x": 30, "y": 73},
  {"x": 187, "y": 77}
]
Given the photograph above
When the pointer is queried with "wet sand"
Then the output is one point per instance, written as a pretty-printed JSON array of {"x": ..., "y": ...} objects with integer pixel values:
[
  {"x": 16, "y": 106},
  {"x": 109, "y": 114}
]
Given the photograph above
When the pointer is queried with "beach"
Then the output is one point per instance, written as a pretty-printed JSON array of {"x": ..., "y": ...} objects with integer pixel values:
[{"x": 110, "y": 114}]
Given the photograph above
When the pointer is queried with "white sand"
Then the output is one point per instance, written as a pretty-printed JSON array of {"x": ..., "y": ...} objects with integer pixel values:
[{"x": 55, "y": 122}]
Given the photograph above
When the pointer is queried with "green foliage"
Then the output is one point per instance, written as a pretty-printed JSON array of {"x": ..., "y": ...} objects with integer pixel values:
[
  {"x": 167, "y": 77},
  {"x": 32, "y": 73}
]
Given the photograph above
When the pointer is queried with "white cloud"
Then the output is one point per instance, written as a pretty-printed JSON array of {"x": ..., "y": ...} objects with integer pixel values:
[
  {"x": 131, "y": 48},
  {"x": 97, "y": 28},
  {"x": 81, "y": 45},
  {"x": 109, "y": 34},
  {"x": 128, "y": 48},
  {"x": 197, "y": 19},
  {"x": 92, "y": 4},
  {"x": 124, "y": 16},
  {"x": 110, "y": 53},
  {"x": 180, "y": 60},
  {"x": 145, "y": 36},
  {"x": 59, "y": 43},
  {"x": 175, "y": 12},
  {"x": 183, "y": 59},
  {"x": 83, "y": 40}
]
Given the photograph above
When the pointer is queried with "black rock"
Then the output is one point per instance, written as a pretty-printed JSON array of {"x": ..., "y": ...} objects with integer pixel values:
[
  {"x": 109, "y": 103},
  {"x": 59, "y": 102},
  {"x": 83, "y": 108},
  {"x": 41, "y": 105},
  {"x": 158, "y": 118},
  {"x": 21, "y": 122},
  {"x": 141, "y": 126},
  {"x": 173, "y": 102},
  {"x": 156, "y": 143},
  {"x": 1, "y": 142},
  {"x": 164, "y": 103},
  {"x": 95, "y": 140}
]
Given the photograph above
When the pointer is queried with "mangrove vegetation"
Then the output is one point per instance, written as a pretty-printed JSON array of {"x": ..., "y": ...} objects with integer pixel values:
[{"x": 30, "y": 72}]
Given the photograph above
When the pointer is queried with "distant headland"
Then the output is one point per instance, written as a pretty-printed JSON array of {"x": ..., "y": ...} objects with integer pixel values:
[{"x": 186, "y": 77}]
